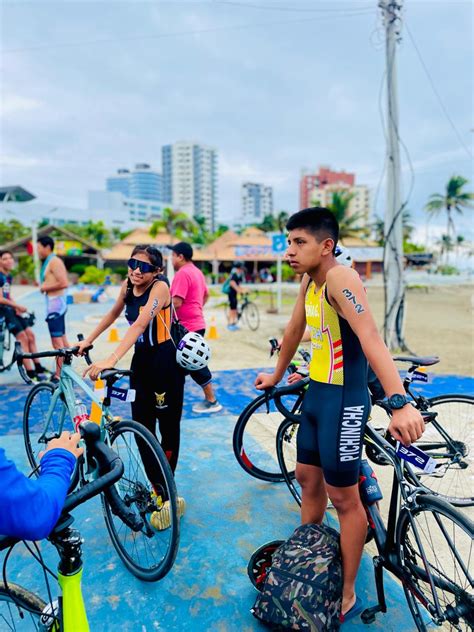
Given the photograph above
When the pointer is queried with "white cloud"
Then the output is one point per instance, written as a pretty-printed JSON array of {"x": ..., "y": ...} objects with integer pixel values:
[{"x": 12, "y": 104}]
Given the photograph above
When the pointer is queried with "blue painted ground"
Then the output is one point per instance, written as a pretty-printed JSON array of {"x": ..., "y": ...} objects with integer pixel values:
[{"x": 228, "y": 515}]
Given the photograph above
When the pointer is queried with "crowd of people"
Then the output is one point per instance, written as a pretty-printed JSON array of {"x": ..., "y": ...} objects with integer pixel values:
[{"x": 344, "y": 337}]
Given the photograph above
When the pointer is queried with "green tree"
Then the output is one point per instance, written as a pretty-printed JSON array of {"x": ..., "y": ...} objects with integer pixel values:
[
  {"x": 455, "y": 199},
  {"x": 201, "y": 234},
  {"x": 98, "y": 233},
  {"x": 281, "y": 221},
  {"x": 349, "y": 224},
  {"x": 446, "y": 244},
  {"x": 268, "y": 224},
  {"x": 12, "y": 230},
  {"x": 378, "y": 228},
  {"x": 174, "y": 223}
]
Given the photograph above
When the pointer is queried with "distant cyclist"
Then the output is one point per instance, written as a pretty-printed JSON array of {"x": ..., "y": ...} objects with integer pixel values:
[
  {"x": 30, "y": 507},
  {"x": 13, "y": 312},
  {"x": 157, "y": 378},
  {"x": 237, "y": 277}
]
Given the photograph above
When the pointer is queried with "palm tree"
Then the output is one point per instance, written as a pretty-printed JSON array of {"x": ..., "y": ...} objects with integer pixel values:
[
  {"x": 454, "y": 199},
  {"x": 349, "y": 225},
  {"x": 378, "y": 228},
  {"x": 446, "y": 244},
  {"x": 281, "y": 220},
  {"x": 175, "y": 224}
]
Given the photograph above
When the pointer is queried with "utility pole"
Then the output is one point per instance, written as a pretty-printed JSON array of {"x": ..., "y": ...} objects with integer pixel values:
[{"x": 394, "y": 283}]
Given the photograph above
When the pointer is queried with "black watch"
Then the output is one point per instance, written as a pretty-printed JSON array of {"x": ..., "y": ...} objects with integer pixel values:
[{"x": 397, "y": 401}]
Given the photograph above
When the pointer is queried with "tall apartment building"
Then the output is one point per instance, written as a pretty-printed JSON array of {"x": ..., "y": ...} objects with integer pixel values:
[
  {"x": 324, "y": 177},
  {"x": 142, "y": 183},
  {"x": 190, "y": 180},
  {"x": 359, "y": 204},
  {"x": 257, "y": 201}
]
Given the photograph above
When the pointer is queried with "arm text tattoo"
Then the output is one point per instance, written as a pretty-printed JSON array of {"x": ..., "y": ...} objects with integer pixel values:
[
  {"x": 352, "y": 299},
  {"x": 153, "y": 307}
]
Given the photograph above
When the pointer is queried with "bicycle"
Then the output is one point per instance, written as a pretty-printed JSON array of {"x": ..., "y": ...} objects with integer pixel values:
[
  {"x": 49, "y": 409},
  {"x": 68, "y": 613},
  {"x": 446, "y": 438},
  {"x": 7, "y": 341},
  {"x": 247, "y": 311},
  {"x": 423, "y": 537}
]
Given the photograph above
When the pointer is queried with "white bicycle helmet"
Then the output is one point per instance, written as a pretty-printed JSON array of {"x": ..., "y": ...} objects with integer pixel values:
[
  {"x": 343, "y": 256},
  {"x": 193, "y": 352}
]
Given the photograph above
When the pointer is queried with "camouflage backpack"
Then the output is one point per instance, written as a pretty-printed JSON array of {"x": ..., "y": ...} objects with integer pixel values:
[{"x": 303, "y": 587}]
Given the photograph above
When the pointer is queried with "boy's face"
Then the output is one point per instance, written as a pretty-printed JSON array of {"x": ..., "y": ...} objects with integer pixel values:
[
  {"x": 305, "y": 252},
  {"x": 8, "y": 262},
  {"x": 43, "y": 251}
]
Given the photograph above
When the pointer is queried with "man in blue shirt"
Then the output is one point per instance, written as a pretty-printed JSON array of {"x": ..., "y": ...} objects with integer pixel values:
[{"x": 29, "y": 508}]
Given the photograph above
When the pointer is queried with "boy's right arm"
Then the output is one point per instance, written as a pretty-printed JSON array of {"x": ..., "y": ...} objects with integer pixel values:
[{"x": 293, "y": 333}]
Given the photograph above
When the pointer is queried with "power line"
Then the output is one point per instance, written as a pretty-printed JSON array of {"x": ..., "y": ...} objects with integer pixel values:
[
  {"x": 438, "y": 96},
  {"x": 141, "y": 38}
]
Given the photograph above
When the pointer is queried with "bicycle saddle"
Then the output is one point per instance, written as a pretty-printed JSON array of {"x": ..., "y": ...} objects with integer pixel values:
[
  {"x": 418, "y": 361},
  {"x": 112, "y": 375}
]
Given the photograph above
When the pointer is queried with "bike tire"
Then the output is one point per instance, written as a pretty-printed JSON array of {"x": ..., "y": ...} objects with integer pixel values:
[
  {"x": 20, "y": 609},
  {"x": 254, "y": 438},
  {"x": 431, "y": 536},
  {"x": 252, "y": 316},
  {"x": 7, "y": 349},
  {"x": 286, "y": 453},
  {"x": 146, "y": 553}
]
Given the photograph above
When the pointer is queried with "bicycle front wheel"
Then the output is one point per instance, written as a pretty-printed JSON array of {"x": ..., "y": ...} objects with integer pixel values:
[
  {"x": 43, "y": 420},
  {"x": 252, "y": 316},
  {"x": 21, "y": 609},
  {"x": 435, "y": 546},
  {"x": 7, "y": 348},
  {"x": 254, "y": 439},
  {"x": 448, "y": 440},
  {"x": 286, "y": 453},
  {"x": 147, "y": 553}
]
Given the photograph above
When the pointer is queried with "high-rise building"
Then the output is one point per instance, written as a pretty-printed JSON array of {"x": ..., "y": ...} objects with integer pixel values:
[
  {"x": 190, "y": 179},
  {"x": 324, "y": 177},
  {"x": 119, "y": 183},
  {"x": 257, "y": 201},
  {"x": 358, "y": 205},
  {"x": 142, "y": 183}
]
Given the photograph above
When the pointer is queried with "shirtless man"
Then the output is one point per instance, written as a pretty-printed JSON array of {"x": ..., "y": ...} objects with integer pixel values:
[{"x": 54, "y": 283}]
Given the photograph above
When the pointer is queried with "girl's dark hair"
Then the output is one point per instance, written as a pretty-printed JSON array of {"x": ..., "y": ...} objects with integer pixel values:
[{"x": 156, "y": 259}]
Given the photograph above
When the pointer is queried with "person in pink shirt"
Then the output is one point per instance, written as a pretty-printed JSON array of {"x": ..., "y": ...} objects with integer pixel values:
[{"x": 189, "y": 293}]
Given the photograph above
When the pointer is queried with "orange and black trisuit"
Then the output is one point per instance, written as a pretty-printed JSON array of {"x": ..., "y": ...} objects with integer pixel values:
[
  {"x": 157, "y": 379},
  {"x": 336, "y": 405}
]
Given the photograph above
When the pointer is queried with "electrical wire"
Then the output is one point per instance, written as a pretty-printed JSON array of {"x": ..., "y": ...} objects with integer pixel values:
[{"x": 438, "y": 96}]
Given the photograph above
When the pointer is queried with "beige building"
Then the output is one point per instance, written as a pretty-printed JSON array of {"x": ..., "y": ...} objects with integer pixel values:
[{"x": 360, "y": 203}]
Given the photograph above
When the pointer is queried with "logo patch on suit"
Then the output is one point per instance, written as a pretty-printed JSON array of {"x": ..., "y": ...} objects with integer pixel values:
[{"x": 160, "y": 400}]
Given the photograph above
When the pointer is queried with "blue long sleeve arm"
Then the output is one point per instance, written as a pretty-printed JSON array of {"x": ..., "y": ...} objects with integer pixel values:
[{"x": 29, "y": 508}]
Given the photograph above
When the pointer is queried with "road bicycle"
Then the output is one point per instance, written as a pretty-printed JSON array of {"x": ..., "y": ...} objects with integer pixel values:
[
  {"x": 447, "y": 438},
  {"x": 7, "y": 341},
  {"x": 426, "y": 543},
  {"x": 49, "y": 409},
  {"x": 23, "y": 610},
  {"x": 247, "y": 312}
]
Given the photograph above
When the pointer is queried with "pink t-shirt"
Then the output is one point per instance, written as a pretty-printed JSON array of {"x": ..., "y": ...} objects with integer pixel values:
[{"x": 190, "y": 285}]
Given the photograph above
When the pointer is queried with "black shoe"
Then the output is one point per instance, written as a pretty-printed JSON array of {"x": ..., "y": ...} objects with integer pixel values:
[
  {"x": 39, "y": 368},
  {"x": 54, "y": 380}
]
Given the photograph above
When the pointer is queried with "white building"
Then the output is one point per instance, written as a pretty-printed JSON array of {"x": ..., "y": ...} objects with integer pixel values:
[
  {"x": 257, "y": 201},
  {"x": 117, "y": 210},
  {"x": 360, "y": 203},
  {"x": 190, "y": 180}
]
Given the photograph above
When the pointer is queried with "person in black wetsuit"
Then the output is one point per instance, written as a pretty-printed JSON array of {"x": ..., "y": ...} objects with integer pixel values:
[{"x": 157, "y": 378}]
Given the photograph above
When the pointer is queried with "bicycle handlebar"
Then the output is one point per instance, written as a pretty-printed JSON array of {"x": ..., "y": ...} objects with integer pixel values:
[{"x": 110, "y": 469}]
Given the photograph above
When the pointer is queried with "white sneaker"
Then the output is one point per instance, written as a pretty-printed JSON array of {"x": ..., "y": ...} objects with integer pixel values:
[{"x": 207, "y": 407}]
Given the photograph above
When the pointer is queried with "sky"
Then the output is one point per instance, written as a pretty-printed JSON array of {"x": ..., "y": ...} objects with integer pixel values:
[{"x": 89, "y": 87}]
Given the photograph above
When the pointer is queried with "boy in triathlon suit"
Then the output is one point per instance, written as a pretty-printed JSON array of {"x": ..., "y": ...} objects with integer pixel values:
[
  {"x": 54, "y": 284},
  {"x": 344, "y": 336}
]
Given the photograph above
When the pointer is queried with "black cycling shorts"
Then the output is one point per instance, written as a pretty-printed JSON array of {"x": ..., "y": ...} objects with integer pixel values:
[
  {"x": 331, "y": 431},
  {"x": 56, "y": 324},
  {"x": 16, "y": 324},
  {"x": 233, "y": 299}
]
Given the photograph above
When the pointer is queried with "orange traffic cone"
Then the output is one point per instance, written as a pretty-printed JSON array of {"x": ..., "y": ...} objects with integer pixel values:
[
  {"x": 113, "y": 335},
  {"x": 213, "y": 335},
  {"x": 96, "y": 410}
]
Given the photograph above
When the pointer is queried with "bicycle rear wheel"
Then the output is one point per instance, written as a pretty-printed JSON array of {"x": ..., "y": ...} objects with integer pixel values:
[
  {"x": 435, "y": 546},
  {"x": 252, "y": 316},
  {"x": 7, "y": 348},
  {"x": 21, "y": 609},
  {"x": 254, "y": 438},
  {"x": 148, "y": 554},
  {"x": 286, "y": 453},
  {"x": 38, "y": 428},
  {"x": 448, "y": 440}
]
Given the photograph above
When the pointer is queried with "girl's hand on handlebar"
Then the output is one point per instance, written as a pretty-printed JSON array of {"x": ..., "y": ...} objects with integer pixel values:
[
  {"x": 82, "y": 347},
  {"x": 94, "y": 369},
  {"x": 265, "y": 380},
  {"x": 294, "y": 377}
]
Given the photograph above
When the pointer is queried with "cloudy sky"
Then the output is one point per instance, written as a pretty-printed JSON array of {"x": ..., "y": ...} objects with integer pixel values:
[{"x": 88, "y": 87}]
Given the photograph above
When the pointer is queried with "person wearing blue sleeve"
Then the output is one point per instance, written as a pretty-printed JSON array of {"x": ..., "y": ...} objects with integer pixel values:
[{"x": 29, "y": 508}]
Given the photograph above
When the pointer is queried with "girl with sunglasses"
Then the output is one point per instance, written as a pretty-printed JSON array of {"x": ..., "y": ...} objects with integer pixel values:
[{"x": 157, "y": 378}]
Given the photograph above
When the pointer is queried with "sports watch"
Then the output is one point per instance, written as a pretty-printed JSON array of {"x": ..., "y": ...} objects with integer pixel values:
[{"x": 397, "y": 401}]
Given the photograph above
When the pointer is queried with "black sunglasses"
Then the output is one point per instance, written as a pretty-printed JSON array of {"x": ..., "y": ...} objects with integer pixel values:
[{"x": 143, "y": 266}]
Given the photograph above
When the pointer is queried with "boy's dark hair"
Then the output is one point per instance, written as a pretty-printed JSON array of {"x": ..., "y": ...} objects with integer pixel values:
[
  {"x": 318, "y": 221},
  {"x": 46, "y": 241},
  {"x": 5, "y": 252}
]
